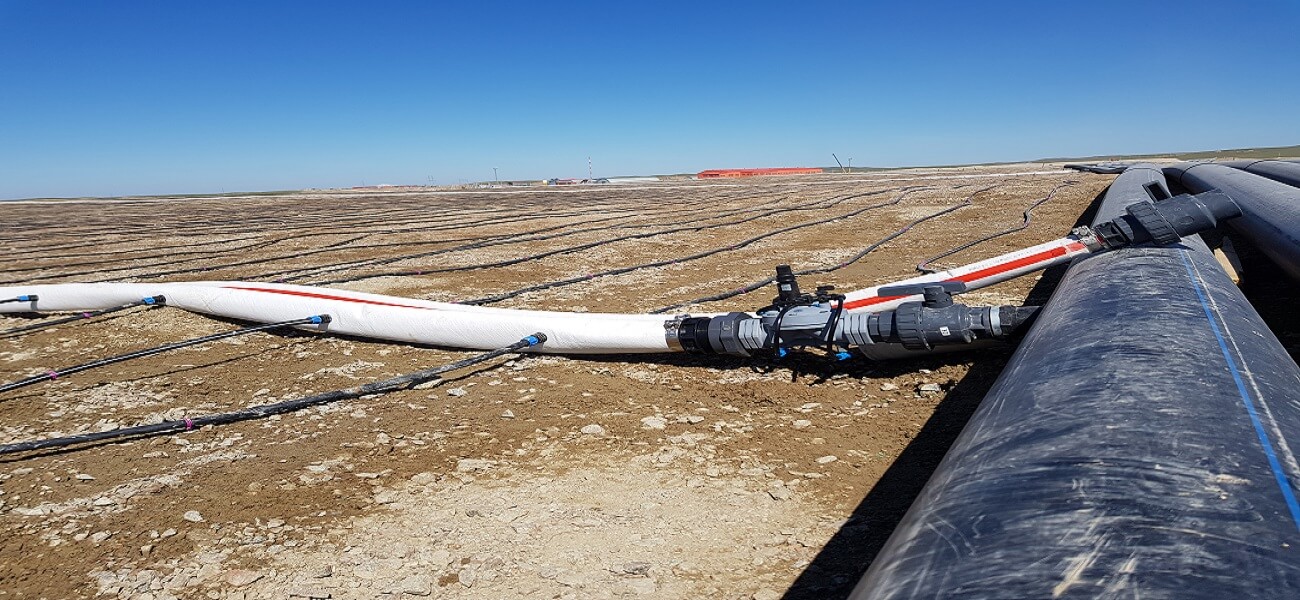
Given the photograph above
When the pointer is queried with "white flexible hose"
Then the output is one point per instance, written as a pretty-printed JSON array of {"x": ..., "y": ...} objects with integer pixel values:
[{"x": 366, "y": 315}]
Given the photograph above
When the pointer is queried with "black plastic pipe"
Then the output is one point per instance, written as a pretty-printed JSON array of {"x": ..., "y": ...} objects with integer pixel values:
[
  {"x": 1270, "y": 217},
  {"x": 1137, "y": 445},
  {"x": 1278, "y": 170}
]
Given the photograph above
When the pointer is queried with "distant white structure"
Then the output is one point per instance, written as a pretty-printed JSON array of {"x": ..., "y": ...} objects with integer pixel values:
[{"x": 632, "y": 179}]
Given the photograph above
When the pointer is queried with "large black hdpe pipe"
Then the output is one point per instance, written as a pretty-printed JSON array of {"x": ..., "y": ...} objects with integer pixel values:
[
  {"x": 1137, "y": 445},
  {"x": 1283, "y": 171},
  {"x": 1270, "y": 218}
]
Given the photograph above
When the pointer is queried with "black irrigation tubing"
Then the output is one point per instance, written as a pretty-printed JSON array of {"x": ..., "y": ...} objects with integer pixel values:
[
  {"x": 55, "y": 374},
  {"x": 174, "y": 271},
  {"x": 661, "y": 263},
  {"x": 138, "y": 267},
  {"x": 332, "y": 247},
  {"x": 315, "y": 271},
  {"x": 306, "y": 272},
  {"x": 416, "y": 217},
  {"x": 194, "y": 223},
  {"x": 151, "y": 301},
  {"x": 384, "y": 386},
  {"x": 514, "y": 240},
  {"x": 822, "y": 270},
  {"x": 45, "y": 247},
  {"x": 255, "y": 261},
  {"x": 1026, "y": 219},
  {"x": 815, "y": 205},
  {"x": 149, "y": 252},
  {"x": 423, "y": 222},
  {"x": 18, "y": 299},
  {"x": 415, "y": 210},
  {"x": 146, "y": 238},
  {"x": 45, "y": 255}
]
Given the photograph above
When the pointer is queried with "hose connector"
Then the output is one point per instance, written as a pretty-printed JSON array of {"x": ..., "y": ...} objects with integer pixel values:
[
  {"x": 1167, "y": 221},
  {"x": 28, "y": 298},
  {"x": 320, "y": 319},
  {"x": 534, "y": 339},
  {"x": 154, "y": 300}
]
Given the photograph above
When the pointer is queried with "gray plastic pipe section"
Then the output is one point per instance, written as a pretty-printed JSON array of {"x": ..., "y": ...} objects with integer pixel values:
[
  {"x": 1137, "y": 445},
  {"x": 1270, "y": 210}
]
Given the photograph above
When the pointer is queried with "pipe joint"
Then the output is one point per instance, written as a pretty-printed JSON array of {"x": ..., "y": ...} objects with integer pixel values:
[
  {"x": 1167, "y": 221},
  {"x": 916, "y": 326},
  {"x": 535, "y": 339}
]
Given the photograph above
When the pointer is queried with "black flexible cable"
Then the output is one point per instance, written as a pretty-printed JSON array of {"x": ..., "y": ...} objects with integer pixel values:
[
  {"x": 25, "y": 298},
  {"x": 151, "y": 301},
  {"x": 1026, "y": 218},
  {"x": 52, "y": 375},
  {"x": 257, "y": 412},
  {"x": 757, "y": 285}
]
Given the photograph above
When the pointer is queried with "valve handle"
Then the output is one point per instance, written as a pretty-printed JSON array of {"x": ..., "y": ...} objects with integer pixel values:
[{"x": 936, "y": 294}]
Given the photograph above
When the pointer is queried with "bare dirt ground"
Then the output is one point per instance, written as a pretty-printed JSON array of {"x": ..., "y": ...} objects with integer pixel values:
[{"x": 676, "y": 476}]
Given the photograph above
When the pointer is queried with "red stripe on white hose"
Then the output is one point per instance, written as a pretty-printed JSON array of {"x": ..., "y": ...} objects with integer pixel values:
[
  {"x": 1016, "y": 264},
  {"x": 322, "y": 296},
  {"x": 985, "y": 273},
  {"x": 852, "y": 304}
]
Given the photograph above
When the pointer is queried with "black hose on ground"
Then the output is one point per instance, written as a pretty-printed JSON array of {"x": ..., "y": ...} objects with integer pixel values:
[
  {"x": 299, "y": 274},
  {"x": 817, "y": 205},
  {"x": 1026, "y": 219},
  {"x": 257, "y": 412},
  {"x": 150, "y": 301},
  {"x": 335, "y": 247},
  {"x": 52, "y": 375},
  {"x": 757, "y": 285},
  {"x": 672, "y": 261}
]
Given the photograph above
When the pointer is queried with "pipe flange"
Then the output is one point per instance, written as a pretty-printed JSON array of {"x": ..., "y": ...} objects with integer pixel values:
[{"x": 1162, "y": 233}]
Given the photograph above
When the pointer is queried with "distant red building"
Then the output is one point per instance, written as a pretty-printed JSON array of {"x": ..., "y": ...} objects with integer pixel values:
[{"x": 717, "y": 173}]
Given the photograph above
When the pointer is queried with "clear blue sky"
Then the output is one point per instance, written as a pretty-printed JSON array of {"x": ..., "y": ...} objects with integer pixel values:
[{"x": 108, "y": 98}]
